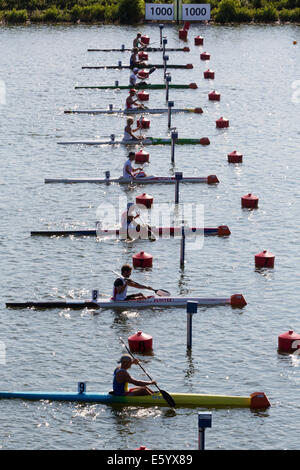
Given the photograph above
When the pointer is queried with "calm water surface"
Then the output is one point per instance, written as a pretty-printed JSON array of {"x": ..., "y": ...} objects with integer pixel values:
[{"x": 234, "y": 351}]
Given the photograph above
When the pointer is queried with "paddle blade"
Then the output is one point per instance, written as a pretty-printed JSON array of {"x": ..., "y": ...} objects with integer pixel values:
[
  {"x": 152, "y": 70},
  {"x": 162, "y": 293},
  {"x": 168, "y": 398}
]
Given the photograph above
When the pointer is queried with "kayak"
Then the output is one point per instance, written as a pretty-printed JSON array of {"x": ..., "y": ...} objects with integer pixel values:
[
  {"x": 139, "y": 86},
  {"x": 145, "y": 66},
  {"x": 134, "y": 111},
  {"x": 211, "y": 179},
  {"x": 235, "y": 301},
  {"x": 257, "y": 400},
  {"x": 147, "y": 141}
]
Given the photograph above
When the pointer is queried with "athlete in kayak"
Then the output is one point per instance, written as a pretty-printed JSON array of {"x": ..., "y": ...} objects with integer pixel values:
[
  {"x": 133, "y": 77},
  {"x": 131, "y": 102},
  {"x": 132, "y": 229},
  {"x": 129, "y": 132},
  {"x": 121, "y": 284},
  {"x": 138, "y": 43},
  {"x": 129, "y": 171},
  {"x": 134, "y": 61},
  {"x": 122, "y": 378}
]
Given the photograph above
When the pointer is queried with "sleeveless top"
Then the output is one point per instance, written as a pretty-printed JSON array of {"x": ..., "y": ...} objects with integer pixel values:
[
  {"x": 119, "y": 389},
  {"x": 128, "y": 103},
  {"x": 119, "y": 282},
  {"x": 127, "y": 136},
  {"x": 125, "y": 174}
]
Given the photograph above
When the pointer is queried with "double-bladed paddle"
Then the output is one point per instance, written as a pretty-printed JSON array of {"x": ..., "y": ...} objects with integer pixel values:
[
  {"x": 159, "y": 292},
  {"x": 163, "y": 393}
]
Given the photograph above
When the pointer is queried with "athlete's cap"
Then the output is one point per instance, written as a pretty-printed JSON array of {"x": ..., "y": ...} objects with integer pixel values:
[
  {"x": 135, "y": 69},
  {"x": 125, "y": 358},
  {"x": 129, "y": 204}
]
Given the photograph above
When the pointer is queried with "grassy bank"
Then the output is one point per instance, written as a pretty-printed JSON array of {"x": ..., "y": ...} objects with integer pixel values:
[{"x": 133, "y": 11}]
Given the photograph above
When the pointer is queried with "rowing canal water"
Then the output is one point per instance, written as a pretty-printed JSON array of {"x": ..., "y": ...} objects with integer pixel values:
[{"x": 234, "y": 351}]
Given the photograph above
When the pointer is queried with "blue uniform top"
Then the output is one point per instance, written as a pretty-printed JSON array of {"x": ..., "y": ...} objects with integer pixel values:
[{"x": 119, "y": 389}]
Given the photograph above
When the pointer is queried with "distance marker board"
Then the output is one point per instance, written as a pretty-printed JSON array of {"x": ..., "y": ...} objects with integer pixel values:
[{"x": 188, "y": 12}]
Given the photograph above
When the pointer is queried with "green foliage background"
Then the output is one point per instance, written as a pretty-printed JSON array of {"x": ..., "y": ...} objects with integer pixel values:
[{"x": 133, "y": 11}]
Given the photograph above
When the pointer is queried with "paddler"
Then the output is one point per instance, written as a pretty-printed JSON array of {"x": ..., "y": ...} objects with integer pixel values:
[
  {"x": 130, "y": 101},
  {"x": 133, "y": 77},
  {"x": 134, "y": 61},
  {"x": 122, "y": 378},
  {"x": 121, "y": 284},
  {"x": 129, "y": 171},
  {"x": 130, "y": 227},
  {"x": 129, "y": 133},
  {"x": 138, "y": 43}
]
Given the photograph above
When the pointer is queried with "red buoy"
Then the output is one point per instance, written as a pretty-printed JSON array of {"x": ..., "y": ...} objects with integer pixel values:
[
  {"x": 235, "y": 157},
  {"x": 145, "y": 39},
  {"x": 143, "y": 123},
  {"x": 142, "y": 55},
  {"x": 223, "y": 231},
  {"x": 265, "y": 259},
  {"x": 288, "y": 342},
  {"x": 144, "y": 199},
  {"x": 142, "y": 448},
  {"x": 186, "y": 25},
  {"x": 204, "y": 141},
  {"x": 140, "y": 342},
  {"x": 204, "y": 56},
  {"x": 142, "y": 260},
  {"x": 214, "y": 96},
  {"x": 183, "y": 34},
  {"x": 210, "y": 74},
  {"x": 212, "y": 179},
  {"x": 141, "y": 156},
  {"x": 199, "y": 41},
  {"x": 143, "y": 74},
  {"x": 249, "y": 201},
  {"x": 143, "y": 95},
  {"x": 222, "y": 122}
]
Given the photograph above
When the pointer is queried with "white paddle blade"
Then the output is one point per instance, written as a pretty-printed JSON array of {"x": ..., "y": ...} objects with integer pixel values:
[{"x": 162, "y": 293}]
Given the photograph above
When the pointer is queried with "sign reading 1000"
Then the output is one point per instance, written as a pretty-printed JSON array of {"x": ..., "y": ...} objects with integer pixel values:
[{"x": 191, "y": 12}]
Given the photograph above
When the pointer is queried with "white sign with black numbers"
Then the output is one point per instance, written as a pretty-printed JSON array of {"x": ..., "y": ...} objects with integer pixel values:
[
  {"x": 159, "y": 11},
  {"x": 195, "y": 12}
]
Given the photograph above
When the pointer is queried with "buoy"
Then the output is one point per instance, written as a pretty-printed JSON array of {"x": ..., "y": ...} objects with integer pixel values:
[
  {"x": 186, "y": 25},
  {"x": 235, "y": 157},
  {"x": 144, "y": 199},
  {"x": 265, "y": 259},
  {"x": 223, "y": 231},
  {"x": 212, "y": 179},
  {"x": 143, "y": 74},
  {"x": 237, "y": 301},
  {"x": 194, "y": 86},
  {"x": 295, "y": 42},
  {"x": 209, "y": 74},
  {"x": 143, "y": 123},
  {"x": 183, "y": 34},
  {"x": 142, "y": 260},
  {"x": 214, "y": 96},
  {"x": 249, "y": 201},
  {"x": 140, "y": 342},
  {"x": 141, "y": 156},
  {"x": 142, "y": 55},
  {"x": 288, "y": 341},
  {"x": 204, "y": 141},
  {"x": 142, "y": 448},
  {"x": 145, "y": 39},
  {"x": 204, "y": 56},
  {"x": 143, "y": 95},
  {"x": 199, "y": 41},
  {"x": 222, "y": 122}
]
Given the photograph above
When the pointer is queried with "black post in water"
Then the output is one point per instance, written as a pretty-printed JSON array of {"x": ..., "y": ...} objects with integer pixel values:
[
  {"x": 191, "y": 308},
  {"x": 204, "y": 421},
  {"x": 168, "y": 80},
  {"x": 178, "y": 177},
  {"x": 165, "y": 59},
  {"x": 165, "y": 42},
  {"x": 174, "y": 137},
  {"x": 170, "y": 106},
  {"x": 161, "y": 27},
  {"x": 182, "y": 246}
]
